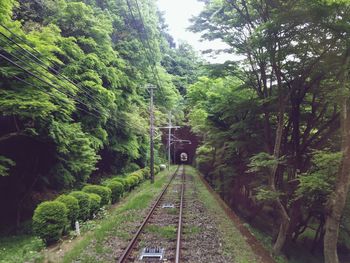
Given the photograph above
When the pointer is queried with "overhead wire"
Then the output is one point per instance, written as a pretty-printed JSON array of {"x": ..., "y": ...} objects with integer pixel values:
[
  {"x": 38, "y": 61},
  {"x": 50, "y": 94},
  {"x": 70, "y": 95},
  {"x": 151, "y": 62},
  {"x": 147, "y": 38},
  {"x": 44, "y": 65},
  {"x": 41, "y": 63}
]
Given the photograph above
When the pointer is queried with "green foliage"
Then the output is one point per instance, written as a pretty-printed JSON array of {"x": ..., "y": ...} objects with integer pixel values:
[
  {"x": 156, "y": 169},
  {"x": 265, "y": 194},
  {"x": 104, "y": 116},
  {"x": 131, "y": 182},
  {"x": 72, "y": 206},
  {"x": 139, "y": 175},
  {"x": 49, "y": 220},
  {"x": 131, "y": 168},
  {"x": 262, "y": 162},
  {"x": 95, "y": 203},
  {"x": 5, "y": 164},
  {"x": 21, "y": 249},
  {"x": 117, "y": 190},
  {"x": 104, "y": 192},
  {"x": 84, "y": 204},
  {"x": 121, "y": 180},
  {"x": 135, "y": 180},
  {"x": 75, "y": 150},
  {"x": 318, "y": 183},
  {"x": 146, "y": 172}
]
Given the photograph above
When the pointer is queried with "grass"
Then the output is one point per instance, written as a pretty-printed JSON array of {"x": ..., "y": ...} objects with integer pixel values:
[
  {"x": 234, "y": 244},
  {"x": 24, "y": 248},
  {"x": 116, "y": 224},
  {"x": 168, "y": 232},
  {"x": 191, "y": 230},
  {"x": 172, "y": 211}
]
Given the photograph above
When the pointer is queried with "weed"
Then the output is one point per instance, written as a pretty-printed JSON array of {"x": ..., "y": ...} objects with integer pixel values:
[
  {"x": 21, "y": 249},
  {"x": 191, "y": 230},
  {"x": 168, "y": 232}
]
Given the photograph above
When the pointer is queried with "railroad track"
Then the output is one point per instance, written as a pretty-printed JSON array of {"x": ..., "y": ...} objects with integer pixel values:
[{"x": 134, "y": 252}]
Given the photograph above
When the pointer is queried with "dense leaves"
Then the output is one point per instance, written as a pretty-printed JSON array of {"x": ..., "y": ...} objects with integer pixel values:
[
  {"x": 73, "y": 98},
  {"x": 271, "y": 120}
]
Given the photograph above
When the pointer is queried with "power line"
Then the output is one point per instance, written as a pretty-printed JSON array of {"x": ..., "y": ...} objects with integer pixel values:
[
  {"x": 148, "y": 54},
  {"x": 147, "y": 39},
  {"x": 42, "y": 63},
  {"x": 43, "y": 80},
  {"x": 43, "y": 90}
]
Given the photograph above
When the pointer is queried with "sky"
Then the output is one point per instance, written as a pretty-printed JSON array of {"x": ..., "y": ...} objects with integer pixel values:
[{"x": 177, "y": 15}]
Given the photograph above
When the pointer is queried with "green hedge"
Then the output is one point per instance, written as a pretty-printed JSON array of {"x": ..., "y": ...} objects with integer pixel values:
[
  {"x": 122, "y": 181},
  {"x": 84, "y": 204},
  {"x": 95, "y": 203},
  {"x": 139, "y": 175},
  {"x": 49, "y": 220},
  {"x": 146, "y": 172},
  {"x": 104, "y": 192},
  {"x": 72, "y": 206},
  {"x": 117, "y": 190},
  {"x": 132, "y": 182}
]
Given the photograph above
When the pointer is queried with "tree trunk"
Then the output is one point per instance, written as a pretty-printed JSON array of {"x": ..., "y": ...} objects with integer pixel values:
[
  {"x": 284, "y": 217},
  {"x": 336, "y": 201}
]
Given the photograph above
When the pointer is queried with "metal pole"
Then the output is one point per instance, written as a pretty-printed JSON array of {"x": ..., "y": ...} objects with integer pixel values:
[
  {"x": 151, "y": 135},
  {"x": 169, "y": 139}
]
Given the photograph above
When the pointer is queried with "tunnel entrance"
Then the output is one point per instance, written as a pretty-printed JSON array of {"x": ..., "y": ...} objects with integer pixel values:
[{"x": 185, "y": 145}]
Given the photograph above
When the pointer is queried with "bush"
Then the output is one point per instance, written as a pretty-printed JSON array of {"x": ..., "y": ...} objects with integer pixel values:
[
  {"x": 138, "y": 175},
  {"x": 95, "y": 203},
  {"x": 156, "y": 169},
  {"x": 122, "y": 181},
  {"x": 49, "y": 220},
  {"x": 84, "y": 204},
  {"x": 104, "y": 192},
  {"x": 136, "y": 179},
  {"x": 72, "y": 206},
  {"x": 146, "y": 172},
  {"x": 131, "y": 182},
  {"x": 130, "y": 168},
  {"x": 117, "y": 190}
]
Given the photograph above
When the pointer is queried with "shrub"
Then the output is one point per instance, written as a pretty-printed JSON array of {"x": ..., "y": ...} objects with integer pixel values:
[
  {"x": 156, "y": 169},
  {"x": 95, "y": 203},
  {"x": 122, "y": 181},
  {"x": 130, "y": 168},
  {"x": 72, "y": 206},
  {"x": 84, "y": 204},
  {"x": 117, "y": 190},
  {"x": 104, "y": 192},
  {"x": 49, "y": 220},
  {"x": 136, "y": 179},
  {"x": 138, "y": 175},
  {"x": 146, "y": 172},
  {"x": 129, "y": 183}
]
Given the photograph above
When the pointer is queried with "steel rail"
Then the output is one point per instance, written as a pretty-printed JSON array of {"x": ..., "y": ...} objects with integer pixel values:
[
  {"x": 179, "y": 227},
  {"x": 129, "y": 248}
]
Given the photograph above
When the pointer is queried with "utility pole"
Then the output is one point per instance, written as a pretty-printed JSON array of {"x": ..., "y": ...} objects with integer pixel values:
[
  {"x": 151, "y": 110},
  {"x": 169, "y": 138},
  {"x": 169, "y": 127}
]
